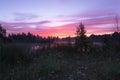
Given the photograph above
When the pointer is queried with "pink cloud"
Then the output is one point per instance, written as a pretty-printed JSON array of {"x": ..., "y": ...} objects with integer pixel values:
[
  {"x": 22, "y": 25},
  {"x": 101, "y": 24}
]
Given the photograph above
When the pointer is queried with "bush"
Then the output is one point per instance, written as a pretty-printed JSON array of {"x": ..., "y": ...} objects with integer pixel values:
[{"x": 15, "y": 54}]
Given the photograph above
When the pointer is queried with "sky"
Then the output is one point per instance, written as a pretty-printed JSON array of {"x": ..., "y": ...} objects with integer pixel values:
[{"x": 59, "y": 17}]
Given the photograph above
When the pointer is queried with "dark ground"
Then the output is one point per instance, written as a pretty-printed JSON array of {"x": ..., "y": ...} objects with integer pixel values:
[{"x": 61, "y": 63}]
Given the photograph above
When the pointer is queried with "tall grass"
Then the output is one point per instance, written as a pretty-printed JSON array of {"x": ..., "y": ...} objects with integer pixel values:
[
  {"x": 17, "y": 62},
  {"x": 15, "y": 54}
]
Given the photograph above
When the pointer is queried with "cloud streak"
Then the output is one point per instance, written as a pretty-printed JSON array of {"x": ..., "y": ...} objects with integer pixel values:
[
  {"x": 24, "y": 16},
  {"x": 98, "y": 24},
  {"x": 22, "y": 25}
]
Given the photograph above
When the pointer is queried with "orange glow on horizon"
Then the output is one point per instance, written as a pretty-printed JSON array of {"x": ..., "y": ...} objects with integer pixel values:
[{"x": 69, "y": 30}]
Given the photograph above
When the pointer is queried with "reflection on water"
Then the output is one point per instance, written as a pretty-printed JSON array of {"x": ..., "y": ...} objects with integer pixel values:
[
  {"x": 36, "y": 47},
  {"x": 45, "y": 46},
  {"x": 52, "y": 45},
  {"x": 57, "y": 44}
]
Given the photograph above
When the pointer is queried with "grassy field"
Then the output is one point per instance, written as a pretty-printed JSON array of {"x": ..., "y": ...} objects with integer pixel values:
[{"x": 18, "y": 62}]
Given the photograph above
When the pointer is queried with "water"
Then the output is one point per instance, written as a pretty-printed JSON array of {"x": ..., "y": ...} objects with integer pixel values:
[{"x": 51, "y": 45}]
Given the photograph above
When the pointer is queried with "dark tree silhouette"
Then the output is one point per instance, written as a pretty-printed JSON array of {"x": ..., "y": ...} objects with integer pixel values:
[
  {"x": 69, "y": 41},
  {"x": 116, "y": 38},
  {"x": 2, "y": 33},
  {"x": 30, "y": 38},
  {"x": 81, "y": 39}
]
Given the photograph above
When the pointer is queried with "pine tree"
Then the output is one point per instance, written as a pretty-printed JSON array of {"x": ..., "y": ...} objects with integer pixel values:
[
  {"x": 81, "y": 39},
  {"x": 2, "y": 31},
  {"x": 2, "y": 34}
]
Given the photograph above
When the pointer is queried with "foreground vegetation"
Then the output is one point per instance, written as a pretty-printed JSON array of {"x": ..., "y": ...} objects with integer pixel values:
[
  {"x": 83, "y": 61},
  {"x": 18, "y": 62}
]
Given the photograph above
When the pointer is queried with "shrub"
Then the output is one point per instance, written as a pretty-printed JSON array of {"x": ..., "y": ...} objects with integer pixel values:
[{"x": 15, "y": 54}]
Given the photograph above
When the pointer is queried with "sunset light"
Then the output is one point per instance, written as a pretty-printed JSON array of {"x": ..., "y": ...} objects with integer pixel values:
[
  {"x": 59, "y": 39},
  {"x": 58, "y": 17}
]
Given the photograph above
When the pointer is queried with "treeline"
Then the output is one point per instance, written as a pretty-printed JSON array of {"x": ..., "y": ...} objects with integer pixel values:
[
  {"x": 113, "y": 38},
  {"x": 30, "y": 38},
  {"x": 24, "y": 38},
  {"x": 80, "y": 39}
]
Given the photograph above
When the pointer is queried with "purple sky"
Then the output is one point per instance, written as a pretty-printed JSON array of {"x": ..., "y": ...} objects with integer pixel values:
[{"x": 58, "y": 17}]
